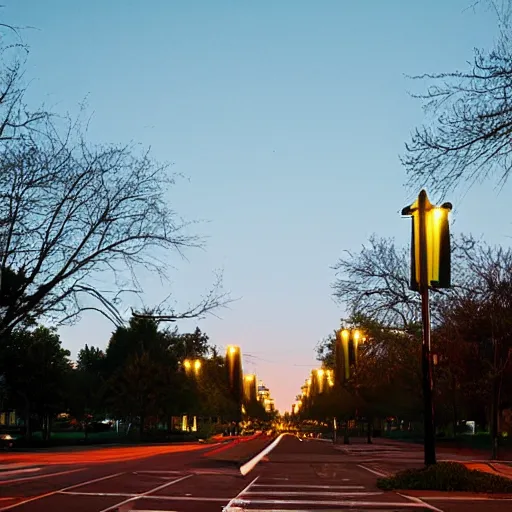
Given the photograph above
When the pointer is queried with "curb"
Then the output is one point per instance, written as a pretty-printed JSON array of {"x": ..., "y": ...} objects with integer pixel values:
[{"x": 251, "y": 464}]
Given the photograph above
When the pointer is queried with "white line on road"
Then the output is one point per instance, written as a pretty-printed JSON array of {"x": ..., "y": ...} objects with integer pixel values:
[
  {"x": 46, "y": 495},
  {"x": 418, "y": 500},
  {"x": 378, "y": 473},
  {"x": 229, "y": 506},
  {"x": 144, "y": 494},
  {"x": 135, "y": 497},
  {"x": 312, "y": 486},
  {"x": 313, "y": 493},
  {"x": 143, "y": 472},
  {"x": 38, "y": 477},
  {"x": 340, "y": 503},
  {"x": 463, "y": 498},
  {"x": 18, "y": 472},
  {"x": 249, "y": 466}
]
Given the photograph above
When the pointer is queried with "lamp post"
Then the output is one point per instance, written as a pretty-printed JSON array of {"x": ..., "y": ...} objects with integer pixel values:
[
  {"x": 192, "y": 369},
  {"x": 347, "y": 356},
  {"x": 430, "y": 267},
  {"x": 235, "y": 379},
  {"x": 192, "y": 366}
]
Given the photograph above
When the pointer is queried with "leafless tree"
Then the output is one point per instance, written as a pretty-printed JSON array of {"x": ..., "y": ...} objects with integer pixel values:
[
  {"x": 15, "y": 116},
  {"x": 77, "y": 221},
  {"x": 213, "y": 300},
  {"x": 80, "y": 221},
  {"x": 482, "y": 312},
  {"x": 467, "y": 136},
  {"x": 375, "y": 282}
]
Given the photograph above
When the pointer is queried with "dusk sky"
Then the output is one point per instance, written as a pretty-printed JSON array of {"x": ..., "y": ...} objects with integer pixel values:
[{"x": 286, "y": 118}]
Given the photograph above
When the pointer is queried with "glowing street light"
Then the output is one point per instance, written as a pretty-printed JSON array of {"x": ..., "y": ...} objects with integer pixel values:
[
  {"x": 235, "y": 377},
  {"x": 346, "y": 352},
  {"x": 430, "y": 268},
  {"x": 194, "y": 365}
]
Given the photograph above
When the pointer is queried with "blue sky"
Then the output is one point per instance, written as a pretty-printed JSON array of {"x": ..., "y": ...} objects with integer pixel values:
[{"x": 287, "y": 118}]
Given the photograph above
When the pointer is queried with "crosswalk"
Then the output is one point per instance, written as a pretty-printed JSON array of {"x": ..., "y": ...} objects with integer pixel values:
[{"x": 266, "y": 494}]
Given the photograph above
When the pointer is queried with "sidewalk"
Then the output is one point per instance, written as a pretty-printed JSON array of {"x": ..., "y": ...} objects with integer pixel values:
[{"x": 442, "y": 449}]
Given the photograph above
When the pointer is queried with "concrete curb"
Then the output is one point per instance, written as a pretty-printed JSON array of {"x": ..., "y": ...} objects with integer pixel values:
[{"x": 249, "y": 466}]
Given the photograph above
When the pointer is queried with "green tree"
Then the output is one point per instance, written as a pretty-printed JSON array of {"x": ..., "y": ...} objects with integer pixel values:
[
  {"x": 87, "y": 386},
  {"x": 35, "y": 367}
]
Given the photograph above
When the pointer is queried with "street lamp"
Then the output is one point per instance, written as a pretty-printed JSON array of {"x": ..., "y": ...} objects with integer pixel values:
[
  {"x": 235, "y": 378},
  {"x": 250, "y": 390},
  {"x": 430, "y": 268},
  {"x": 194, "y": 365},
  {"x": 346, "y": 358}
]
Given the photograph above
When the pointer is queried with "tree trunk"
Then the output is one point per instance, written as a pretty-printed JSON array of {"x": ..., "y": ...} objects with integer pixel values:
[
  {"x": 495, "y": 405},
  {"x": 141, "y": 427},
  {"x": 454, "y": 406},
  {"x": 28, "y": 429}
]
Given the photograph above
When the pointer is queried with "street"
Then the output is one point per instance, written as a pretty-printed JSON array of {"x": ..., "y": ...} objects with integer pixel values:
[{"x": 297, "y": 475}]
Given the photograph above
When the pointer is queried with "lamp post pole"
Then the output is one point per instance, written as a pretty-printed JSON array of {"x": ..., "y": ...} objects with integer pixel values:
[{"x": 426, "y": 357}]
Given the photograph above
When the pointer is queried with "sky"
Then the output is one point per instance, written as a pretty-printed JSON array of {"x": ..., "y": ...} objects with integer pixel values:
[{"x": 286, "y": 119}]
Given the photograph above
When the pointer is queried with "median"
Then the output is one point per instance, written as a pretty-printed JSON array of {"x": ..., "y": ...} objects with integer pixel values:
[{"x": 240, "y": 450}]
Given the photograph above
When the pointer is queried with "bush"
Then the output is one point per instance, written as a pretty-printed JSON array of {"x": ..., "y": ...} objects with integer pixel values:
[{"x": 446, "y": 476}]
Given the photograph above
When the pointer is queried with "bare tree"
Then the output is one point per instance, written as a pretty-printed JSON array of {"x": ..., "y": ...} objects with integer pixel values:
[
  {"x": 467, "y": 137},
  {"x": 80, "y": 221},
  {"x": 214, "y": 299},
  {"x": 375, "y": 282},
  {"x": 482, "y": 312},
  {"x": 15, "y": 116}
]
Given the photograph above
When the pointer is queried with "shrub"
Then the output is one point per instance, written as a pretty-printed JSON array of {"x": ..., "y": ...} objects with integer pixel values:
[{"x": 447, "y": 476}]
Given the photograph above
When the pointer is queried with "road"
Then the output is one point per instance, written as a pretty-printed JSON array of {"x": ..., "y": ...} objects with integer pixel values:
[{"x": 296, "y": 475}]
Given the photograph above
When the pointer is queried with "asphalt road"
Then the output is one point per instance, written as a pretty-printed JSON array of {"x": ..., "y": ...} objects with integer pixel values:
[{"x": 296, "y": 475}]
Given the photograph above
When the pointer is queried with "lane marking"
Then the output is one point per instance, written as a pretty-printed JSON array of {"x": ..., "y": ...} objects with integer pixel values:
[
  {"x": 463, "y": 498},
  {"x": 378, "y": 473},
  {"x": 142, "y": 495},
  {"x": 249, "y": 466},
  {"x": 312, "y": 486},
  {"x": 52, "y": 493},
  {"x": 319, "y": 493},
  {"x": 18, "y": 471},
  {"x": 229, "y": 506},
  {"x": 135, "y": 497},
  {"x": 339, "y": 503},
  {"x": 163, "y": 472},
  {"x": 38, "y": 477},
  {"x": 418, "y": 500}
]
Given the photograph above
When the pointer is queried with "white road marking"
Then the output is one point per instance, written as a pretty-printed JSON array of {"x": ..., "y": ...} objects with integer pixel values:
[
  {"x": 135, "y": 497},
  {"x": 38, "y": 477},
  {"x": 418, "y": 500},
  {"x": 52, "y": 493},
  {"x": 144, "y": 472},
  {"x": 142, "y": 495},
  {"x": 19, "y": 471},
  {"x": 378, "y": 473},
  {"x": 229, "y": 506},
  {"x": 340, "y": 503},
  {"x": 249, "y": 466},
  {"x": 462, "y": 498},
  {"x": 312, "y": 486},
  {"x": 313, "y": 493}
]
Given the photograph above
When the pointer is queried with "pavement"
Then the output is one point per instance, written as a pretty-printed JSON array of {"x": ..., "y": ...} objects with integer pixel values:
[{"x": 298, "y": 475}]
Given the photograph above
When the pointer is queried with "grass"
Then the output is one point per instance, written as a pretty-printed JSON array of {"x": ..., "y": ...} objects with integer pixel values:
[{"x": 446, "y": 476}]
